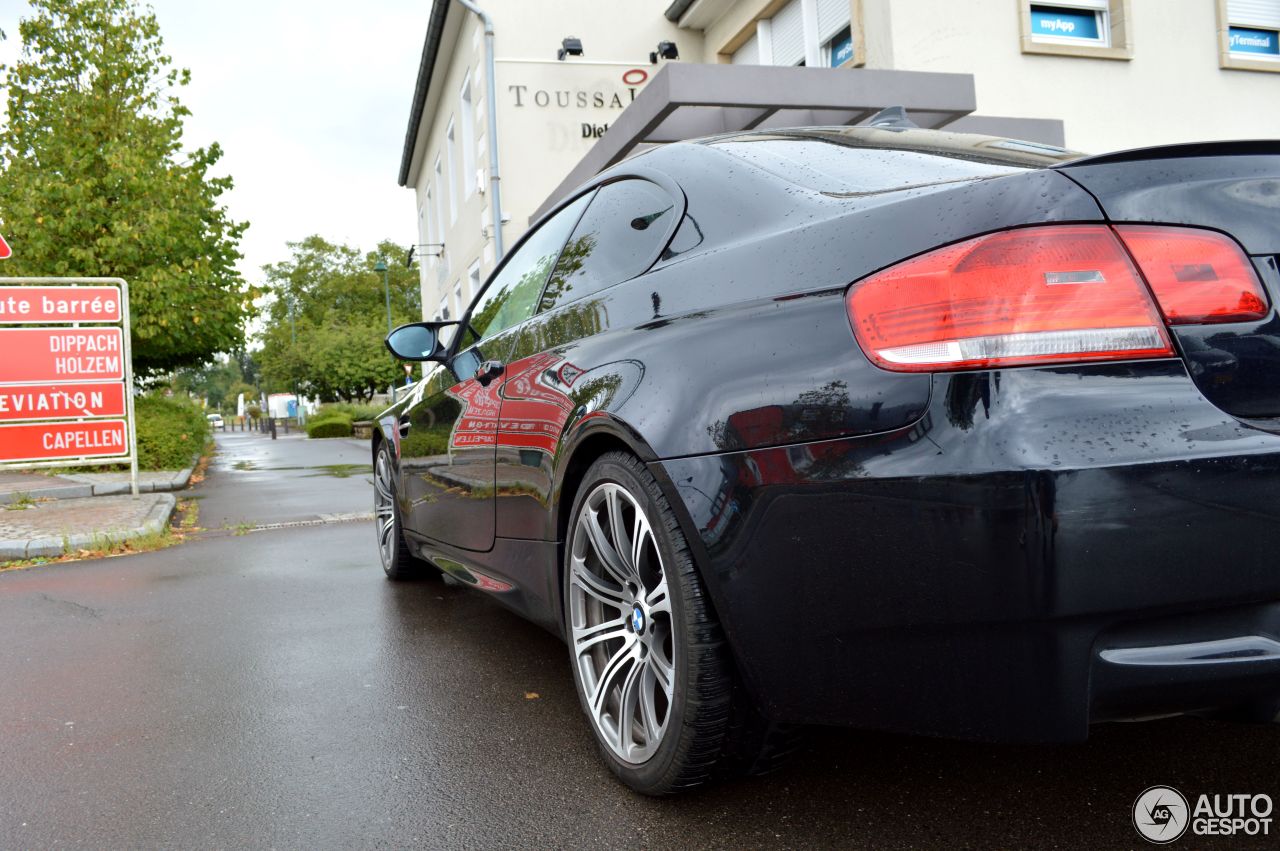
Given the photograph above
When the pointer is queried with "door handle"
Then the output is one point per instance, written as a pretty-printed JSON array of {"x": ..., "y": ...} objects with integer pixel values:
[{"x": 489, "y": 370}]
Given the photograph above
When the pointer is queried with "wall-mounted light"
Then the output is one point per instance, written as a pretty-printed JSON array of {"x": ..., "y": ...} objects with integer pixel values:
[
  {"x": 666, "y": 50},
  {"x": 424, "y": 250},
  {"x": 571, "y": 46}
]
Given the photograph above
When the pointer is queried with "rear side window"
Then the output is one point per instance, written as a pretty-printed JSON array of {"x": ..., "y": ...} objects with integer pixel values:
[
  {"x": 620, "y": 234},
  {"x": 512, "y": 295},
  {"x": 840, "y": 170}
]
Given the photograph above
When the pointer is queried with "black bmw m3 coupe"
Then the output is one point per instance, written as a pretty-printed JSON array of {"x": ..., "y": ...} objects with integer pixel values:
[{"x": 877, "y": 426}]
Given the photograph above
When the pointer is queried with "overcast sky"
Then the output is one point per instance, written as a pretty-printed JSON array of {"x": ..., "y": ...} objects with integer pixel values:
[{"x": 309, "y": 99}]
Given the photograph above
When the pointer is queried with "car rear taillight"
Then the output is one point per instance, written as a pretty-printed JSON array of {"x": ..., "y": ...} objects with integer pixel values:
[
  {"x": 1198, "y": 276},
  {"x": 1063, "y": 293}
]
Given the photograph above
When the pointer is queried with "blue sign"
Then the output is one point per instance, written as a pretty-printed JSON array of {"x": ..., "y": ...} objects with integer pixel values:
[
  {"x": 1245, "y": 40},
  {"x": 841, "y": 48},
  {"x": 1061, "y": 22}
]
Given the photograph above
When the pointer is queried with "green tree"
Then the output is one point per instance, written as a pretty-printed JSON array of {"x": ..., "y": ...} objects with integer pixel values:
[
  {"x": 95, "y": 182},
  {"x": 212, "y": 382},
  {"x": 327, "y": 319}
]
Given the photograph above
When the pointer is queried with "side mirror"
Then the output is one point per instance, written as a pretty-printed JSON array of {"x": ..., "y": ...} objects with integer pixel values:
[{"x": 418, "y": 341}]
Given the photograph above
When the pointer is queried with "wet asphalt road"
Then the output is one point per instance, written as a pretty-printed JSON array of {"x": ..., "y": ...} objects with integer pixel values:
[{"x": 272, "y": 690}]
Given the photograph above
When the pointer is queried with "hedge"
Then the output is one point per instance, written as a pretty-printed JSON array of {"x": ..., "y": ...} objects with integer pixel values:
[
  {"x": 353, "y": 412},
  {"x": 330, "y": 425},
  {"x": 170, "y": 432}
]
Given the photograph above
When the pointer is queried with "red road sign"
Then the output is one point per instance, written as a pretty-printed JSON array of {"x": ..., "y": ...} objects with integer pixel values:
[
  {"x": 46, "y": 441},
  {"x": 59, "y": 304},
  {"x": 4, "y": 249},
  {"x": 23, "y": 402},
  {"x": 60, "y": 354}
]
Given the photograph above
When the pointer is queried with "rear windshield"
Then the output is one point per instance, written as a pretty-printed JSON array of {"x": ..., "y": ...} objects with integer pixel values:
[
  {"x": 860, "y": 160},
  {"x": 839, "y": 170}
]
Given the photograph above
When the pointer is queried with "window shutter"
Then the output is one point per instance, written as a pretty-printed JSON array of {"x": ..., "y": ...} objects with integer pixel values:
[
  {"x": 788, "y": 35},
  {"x": 833, "y": 16},
  {"x": 749, "y": 53},
  {"x": 1258, "y": 13}
]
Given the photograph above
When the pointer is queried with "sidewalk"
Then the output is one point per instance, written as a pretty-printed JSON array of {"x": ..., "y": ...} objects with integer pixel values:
[
  {"x": 17, "y": 485},
  {"x": 62, "y": 525},
  {"x": 47, "y": 515}
]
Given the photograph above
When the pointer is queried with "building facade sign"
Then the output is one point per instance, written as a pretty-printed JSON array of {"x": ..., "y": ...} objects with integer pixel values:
[
  {"x": 1254, "y": 41},
  {"x": 564, "y": 101},
  {"x": 1064, "y": 22},
  {"x": 551, "y": 114}
]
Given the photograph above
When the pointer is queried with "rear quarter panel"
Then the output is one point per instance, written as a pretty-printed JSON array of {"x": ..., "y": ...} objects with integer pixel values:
[{"x": 742, "y": 342}]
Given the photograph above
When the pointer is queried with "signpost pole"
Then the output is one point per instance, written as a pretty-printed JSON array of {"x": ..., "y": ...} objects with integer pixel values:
[{"x": 128, "y": 387}]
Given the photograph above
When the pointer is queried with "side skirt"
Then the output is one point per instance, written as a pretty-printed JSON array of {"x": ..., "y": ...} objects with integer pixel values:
[{"x": 522, "y": 575}]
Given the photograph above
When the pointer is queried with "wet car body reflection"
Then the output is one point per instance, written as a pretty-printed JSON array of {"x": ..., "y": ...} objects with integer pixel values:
[{"x": 943, "y": 552}]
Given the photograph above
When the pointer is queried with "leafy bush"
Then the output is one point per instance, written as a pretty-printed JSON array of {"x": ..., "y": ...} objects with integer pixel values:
[
  {"x": 423, "y": 442},
  {"x": 170, "y": 432},
  {"x": 329, "y": 425},
  {"x": 354, "y": 412}
]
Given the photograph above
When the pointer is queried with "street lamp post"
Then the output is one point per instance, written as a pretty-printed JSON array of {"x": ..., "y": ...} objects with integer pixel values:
[
  {"x": 293, "y": 346},
  {"x": 381, "y": 266},
  {"x": 386, "y": 287}
]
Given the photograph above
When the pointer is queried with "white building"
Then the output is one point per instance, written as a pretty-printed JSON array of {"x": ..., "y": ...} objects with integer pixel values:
[{"x": 1095, "y": 75}]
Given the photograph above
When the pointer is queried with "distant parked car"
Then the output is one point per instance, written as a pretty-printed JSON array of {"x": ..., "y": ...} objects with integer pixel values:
[
  {"x": 879, "y": 426},
  {"x": 215, "y": 421}
]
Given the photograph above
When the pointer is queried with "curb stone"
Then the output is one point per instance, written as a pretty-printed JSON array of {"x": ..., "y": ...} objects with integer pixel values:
[
  {"x": 176, "y": 482},
  {"x": 60, "y": 491},
  {"x": 156, "y": 519}
]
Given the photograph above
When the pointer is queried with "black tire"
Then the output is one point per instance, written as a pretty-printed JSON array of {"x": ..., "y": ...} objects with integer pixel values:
[
  {"x": 398, "y": 563},
  {"x": 698, "y": 713}
]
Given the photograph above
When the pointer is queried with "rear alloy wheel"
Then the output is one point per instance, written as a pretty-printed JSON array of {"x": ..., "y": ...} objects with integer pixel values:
[
  {"x": 647, "y": 653},
  {"x": 397, "y": 562}
]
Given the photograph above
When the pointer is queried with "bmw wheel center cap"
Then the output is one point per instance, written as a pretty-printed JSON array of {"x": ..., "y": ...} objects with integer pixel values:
[{"x": 637, "y": 619}]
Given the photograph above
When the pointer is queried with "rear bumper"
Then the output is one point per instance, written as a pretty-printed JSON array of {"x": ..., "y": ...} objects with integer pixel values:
[{"x": 972, "y": 575}]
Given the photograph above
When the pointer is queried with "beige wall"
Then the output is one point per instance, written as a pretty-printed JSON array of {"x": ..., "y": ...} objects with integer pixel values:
[
  {"x": 538, "y": 144},
  {"x": 1172, "y": 90}
]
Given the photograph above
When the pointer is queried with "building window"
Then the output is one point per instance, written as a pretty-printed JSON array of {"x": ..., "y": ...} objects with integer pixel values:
[
  {"x": 802, "y": 32},
  {"x": 444, "y": 309},
  {"x": 473, "y": 279},
  {"x": 457, "y": 298},
  {"x": 1249, "y": 34},
  {"x": 748, "y": 53},
  {"x": 786, "y": 29},
  {"x": 467, "y": 115},
  {"x": 435, "y": 222},
  {"x": 1092, "y": 28},
  {"x": 451, "y": 145}
]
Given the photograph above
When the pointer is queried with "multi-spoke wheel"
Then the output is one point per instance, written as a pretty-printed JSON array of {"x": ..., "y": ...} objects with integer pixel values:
[
  {"x": 647, "y": 653},
  {"x": 397, "y": 561},
  {"x": 620, "y": 616}
]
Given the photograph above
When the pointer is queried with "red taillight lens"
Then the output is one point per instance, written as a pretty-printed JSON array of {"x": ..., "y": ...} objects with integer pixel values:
[
  {"x": 1198, "y": 276},
  {"x": 1030, "y": 296}
]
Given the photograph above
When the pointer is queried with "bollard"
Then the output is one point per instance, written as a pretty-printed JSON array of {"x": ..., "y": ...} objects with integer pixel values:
[{"x": 273, "y": 428}]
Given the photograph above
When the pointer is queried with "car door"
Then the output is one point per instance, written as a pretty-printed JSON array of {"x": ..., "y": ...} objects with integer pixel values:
[
  {"x": 619, "y": 236},
  {"x": 448, "y": 433}
]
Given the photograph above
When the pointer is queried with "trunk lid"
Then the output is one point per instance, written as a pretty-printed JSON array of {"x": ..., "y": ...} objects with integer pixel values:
[
  {"x": 1228, "y": 186},
  {"x": 1233, "y": 187}
]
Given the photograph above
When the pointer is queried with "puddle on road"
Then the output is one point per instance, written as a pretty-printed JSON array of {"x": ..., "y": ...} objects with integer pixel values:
[
  {"x": 341, "y": 471},
  {"x": 337, "y": 471}
]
